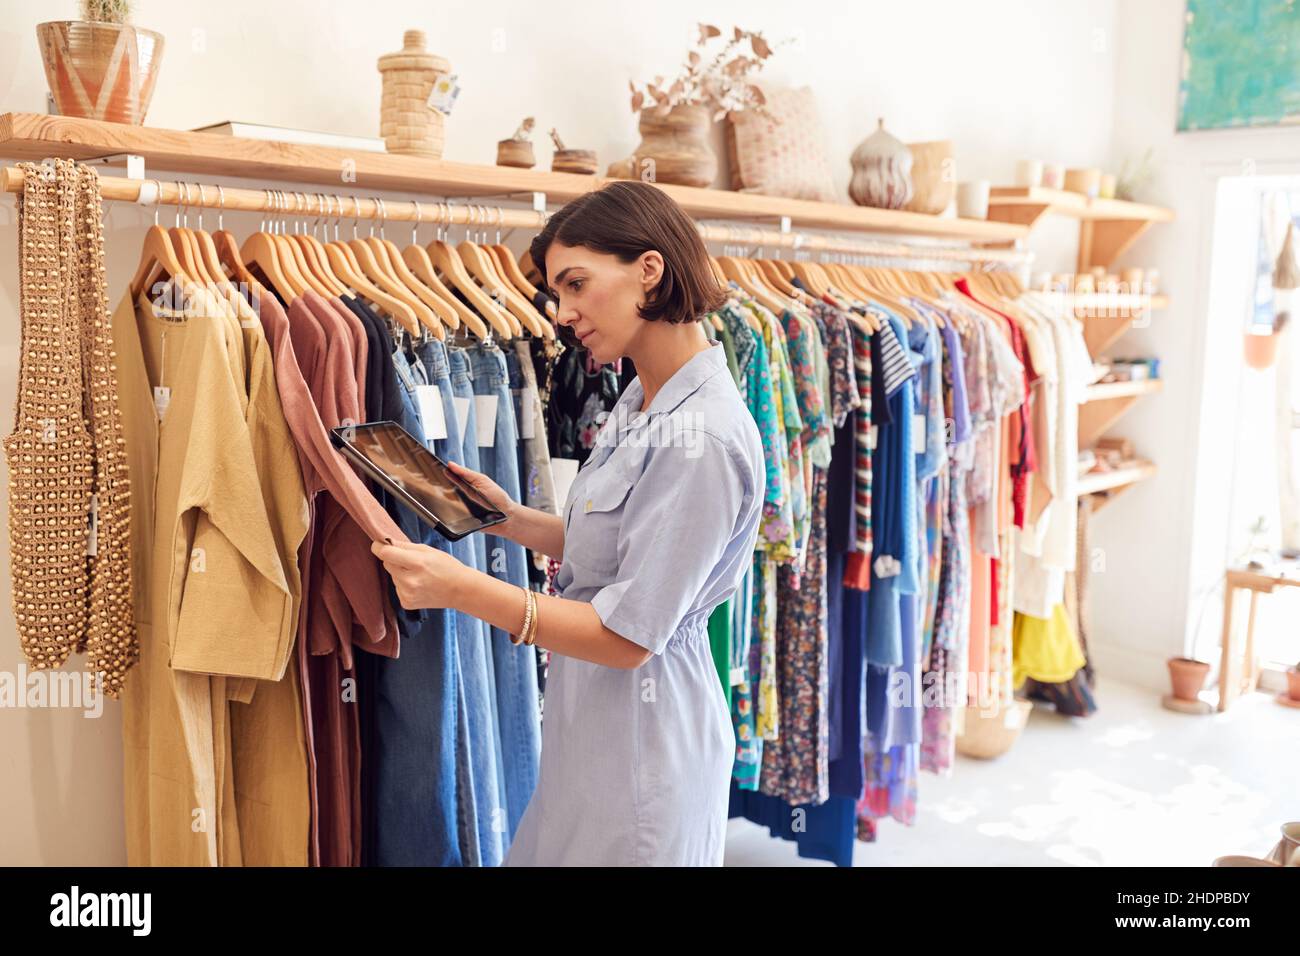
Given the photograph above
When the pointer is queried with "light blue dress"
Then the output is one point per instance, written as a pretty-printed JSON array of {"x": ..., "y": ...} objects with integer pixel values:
[{"x": 660, "y": 526}]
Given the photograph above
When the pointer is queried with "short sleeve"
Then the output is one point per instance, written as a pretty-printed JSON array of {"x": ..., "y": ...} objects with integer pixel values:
[{"x": 678, "y": 546}]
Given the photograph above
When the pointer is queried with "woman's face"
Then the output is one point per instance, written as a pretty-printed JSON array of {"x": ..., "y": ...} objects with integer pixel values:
[{"x": 598, "y": 296}]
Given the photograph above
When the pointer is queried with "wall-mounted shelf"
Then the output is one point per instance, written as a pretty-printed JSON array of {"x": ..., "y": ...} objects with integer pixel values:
[
  {"x": 1113, "y": 482},
  {"x": 1107, "y": 227},
  {"x": 1104, "y": 404},
  {"x": 35, "y": 136},
  {"x": 1105, "y": 391}
]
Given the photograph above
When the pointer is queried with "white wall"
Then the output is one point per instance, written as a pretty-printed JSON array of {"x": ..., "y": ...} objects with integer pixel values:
[
  {"x": 1003, "y": 79},
  {"x": 1165, "y": 540}
]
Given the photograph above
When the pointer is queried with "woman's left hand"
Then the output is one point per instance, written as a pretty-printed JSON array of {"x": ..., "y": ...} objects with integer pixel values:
[{"x": 424, "y": 576}]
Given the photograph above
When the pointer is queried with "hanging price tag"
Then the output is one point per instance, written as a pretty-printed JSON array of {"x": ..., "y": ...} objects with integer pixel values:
[
  {"x": 461, "y": 407},
  {"x": 432, "y": 415},
  {"x": 485, "y": 419},
  {"x": 918, "y": 434},
  {"x": 443, "y": 95},
  {"x": 527, "y": 401},
  {"x": 162, "y": 397}
]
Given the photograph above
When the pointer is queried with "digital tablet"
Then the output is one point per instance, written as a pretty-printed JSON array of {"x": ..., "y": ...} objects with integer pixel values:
[{"x": 401, "y": 463}]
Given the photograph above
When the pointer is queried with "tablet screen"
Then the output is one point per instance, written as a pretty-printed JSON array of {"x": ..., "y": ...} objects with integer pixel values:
[{"x": 407, "y": 463}]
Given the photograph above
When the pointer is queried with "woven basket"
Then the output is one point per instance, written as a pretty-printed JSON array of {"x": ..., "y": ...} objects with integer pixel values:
[
  {"x": 407, "y": 122},
  {"x": 991, "y": 735}
]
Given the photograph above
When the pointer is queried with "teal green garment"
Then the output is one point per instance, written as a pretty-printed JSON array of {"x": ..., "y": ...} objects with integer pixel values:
[
  {"x": 720, "y": 644},
  {"x": 729, "y": 346}
]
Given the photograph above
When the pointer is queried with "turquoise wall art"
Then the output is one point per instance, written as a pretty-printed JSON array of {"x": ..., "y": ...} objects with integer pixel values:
[{"x": 1241, "y": 64}]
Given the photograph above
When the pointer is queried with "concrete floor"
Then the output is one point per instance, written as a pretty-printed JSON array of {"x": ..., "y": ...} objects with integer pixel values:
[{"x": 1133, "y": 785}]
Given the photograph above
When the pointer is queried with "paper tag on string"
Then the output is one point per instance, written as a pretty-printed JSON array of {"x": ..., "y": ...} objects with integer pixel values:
[
  {"x": 162, "y": 397},
  {"x": 461, "y": 406},
  {"x": 526, "y": 401},
  {"x": 918, "y": 434},
  {"x": 432, "y": 415},
  {"x": 485, "y": 420},
  {"x": 443, "y": 95}
]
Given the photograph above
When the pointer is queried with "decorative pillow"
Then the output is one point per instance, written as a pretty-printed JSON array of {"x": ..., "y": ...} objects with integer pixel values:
[{"x": 783, "y": 158}]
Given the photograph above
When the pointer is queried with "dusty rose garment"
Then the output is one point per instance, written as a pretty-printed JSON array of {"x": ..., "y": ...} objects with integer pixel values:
[
  {"x": 328, "y": 345},
  {"x": 332, "y": 727},
  {"x": 349, "y": 576}
]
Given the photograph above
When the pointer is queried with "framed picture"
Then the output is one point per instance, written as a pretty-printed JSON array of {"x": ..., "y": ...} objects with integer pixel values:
[{"x": 1241, "y": 64}]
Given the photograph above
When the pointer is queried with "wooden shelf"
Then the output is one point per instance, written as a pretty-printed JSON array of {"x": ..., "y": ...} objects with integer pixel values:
[
  {"x": 1026, "y": 204},
  {"x": 1089, "y": 304},
  {"x": 1104, "y": 404},
  {"x": 35, "y": 136},
  {"x": 1104, "y": 324},
  {"x": 1106, "y": 391},
  {"x": 1112, "y": 481},
  {"x": 1107, "y": 227}
]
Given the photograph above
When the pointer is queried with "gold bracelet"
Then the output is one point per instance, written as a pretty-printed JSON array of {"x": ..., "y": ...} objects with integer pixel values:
[
  {"x": 531, "y": 636},
  {"x": 528, "y": 618}
]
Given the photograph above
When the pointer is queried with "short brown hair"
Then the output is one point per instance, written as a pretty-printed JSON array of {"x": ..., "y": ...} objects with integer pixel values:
[{"x": 627, "y": 218}]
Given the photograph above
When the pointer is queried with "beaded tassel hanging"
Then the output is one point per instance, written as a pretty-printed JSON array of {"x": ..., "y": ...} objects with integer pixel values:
[{"x": 71, "y": 588}]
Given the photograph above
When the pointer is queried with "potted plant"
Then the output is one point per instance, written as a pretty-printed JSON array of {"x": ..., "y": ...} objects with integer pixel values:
[
  {"x": 100, "y": 67},
  {"x": 676, "y": 117},
  {"x": 1187, "y": 677},
  {"x": 1293, "y": 682}
]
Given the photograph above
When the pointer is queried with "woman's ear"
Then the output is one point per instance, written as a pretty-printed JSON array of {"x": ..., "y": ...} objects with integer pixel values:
[{"x": 651, "y": 264}]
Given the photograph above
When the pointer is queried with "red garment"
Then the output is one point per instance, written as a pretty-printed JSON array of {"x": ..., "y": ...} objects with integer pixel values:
[{"x": 1025, "y": 459}]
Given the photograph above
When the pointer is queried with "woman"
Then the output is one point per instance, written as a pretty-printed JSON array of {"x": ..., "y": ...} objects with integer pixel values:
[{"x": 658, "y": 530}]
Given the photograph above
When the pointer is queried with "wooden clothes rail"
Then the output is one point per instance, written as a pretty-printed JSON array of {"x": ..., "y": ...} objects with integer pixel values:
[{"x": 334, "y": 207}]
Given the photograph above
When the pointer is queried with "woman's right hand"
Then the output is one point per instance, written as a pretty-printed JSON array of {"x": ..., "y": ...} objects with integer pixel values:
[{"x": 490, "y": 492}]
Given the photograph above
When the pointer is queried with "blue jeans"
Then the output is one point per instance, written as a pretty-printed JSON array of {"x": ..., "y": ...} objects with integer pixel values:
[
  {"x": 449, "y": 370},
  {"x": 413, "y": 750},
  {"x": 516, "y": 665}
]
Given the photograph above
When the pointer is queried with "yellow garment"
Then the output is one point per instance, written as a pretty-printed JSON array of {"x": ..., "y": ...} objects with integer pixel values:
[
  {"x": 269, "y": 739},
  {"x": 213, "y": 599},
  {"x": 1045, "y": 649}
]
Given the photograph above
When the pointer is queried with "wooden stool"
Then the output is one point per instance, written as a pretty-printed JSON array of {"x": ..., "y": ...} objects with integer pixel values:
[{"x": 1231, "y": 681}]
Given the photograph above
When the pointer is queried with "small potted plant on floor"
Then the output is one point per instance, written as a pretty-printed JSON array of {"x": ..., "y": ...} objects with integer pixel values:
[
  {"x": 1293, "y": 682},
  {"x": 100, "y": 67},
  {"x": 1187, "y": 677}
]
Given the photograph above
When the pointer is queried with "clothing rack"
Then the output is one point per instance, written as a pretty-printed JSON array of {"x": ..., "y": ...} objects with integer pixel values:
[{"x": 333, "y": 207}]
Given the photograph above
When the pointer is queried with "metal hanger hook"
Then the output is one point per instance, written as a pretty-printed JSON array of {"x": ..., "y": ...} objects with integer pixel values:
[
  {"x": 415, "y": 227},
  {"x": 221, "y": 209}
]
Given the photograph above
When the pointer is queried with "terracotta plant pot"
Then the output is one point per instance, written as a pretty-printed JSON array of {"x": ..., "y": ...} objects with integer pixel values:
[
  {"x": 1188, "y": 677},
  {"x": 675, "y": 148},
  {"x": 1293, "y": 683},
  {"x": 1261, "y": 350},
  {"x": 100, "y": 71}
]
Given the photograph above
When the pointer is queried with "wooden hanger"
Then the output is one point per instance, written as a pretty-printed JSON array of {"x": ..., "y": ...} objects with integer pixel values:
[
  {"x": 478, "y": 265},
  {"x": 292, "y": 259},
  {"x": 733, "y": 270},
  {"x": 309, "y": 263},
  {"x": 317, "y": 262},
  {"x": 157, "y": 252},
  {"x": 480, "y": 268},
  {"x": 509, "y": 270},
  {"x": 344, "y": 265},
  {"x": 418, "y": 261},
  {"x": 520, "y": 307},
  {"x": 449, "y": 263},
  {"x": 227, "y": 251},
  {"x": 260, "y": 251},
  {"x": 431, "y": 310}
]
